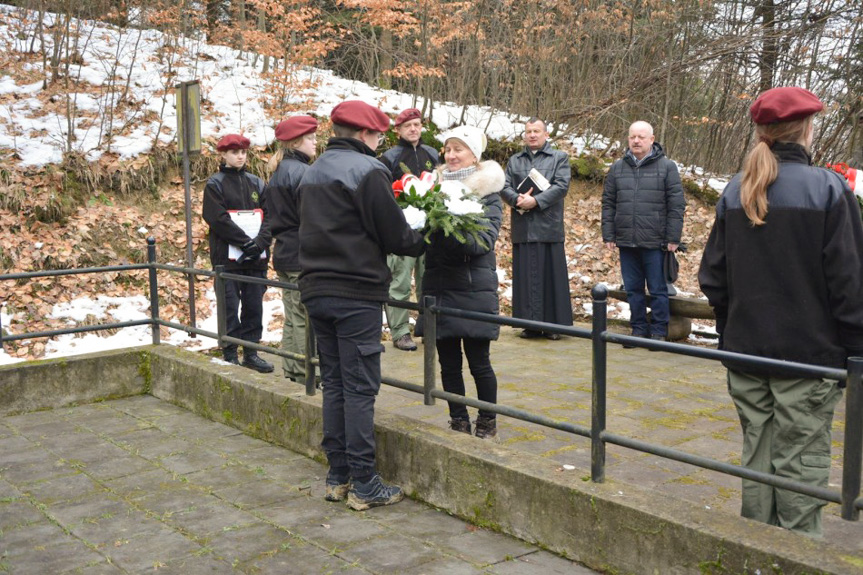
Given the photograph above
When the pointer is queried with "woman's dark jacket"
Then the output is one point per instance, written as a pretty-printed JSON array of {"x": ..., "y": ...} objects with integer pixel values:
[
  {"x": 545, "y": 222},
  {"x": 642, "y": 206},
  {"x": 349, "y": 222},
  {"x": 790, "y": 289},
  {"x": 284, "y": 200},
  {"x": 234, "y": 189},
  {"x": 464, "y": 276}
]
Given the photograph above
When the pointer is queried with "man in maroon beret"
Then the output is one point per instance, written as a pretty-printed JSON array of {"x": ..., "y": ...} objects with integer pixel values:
[
  {"x": 417, "y": 157},
  {"x": 232, "y": 199},
  {"x": 349, "y": 222}
]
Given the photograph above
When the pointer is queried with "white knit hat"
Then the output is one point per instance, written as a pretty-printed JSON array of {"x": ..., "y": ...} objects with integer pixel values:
[{"x": 473, "y": 137}]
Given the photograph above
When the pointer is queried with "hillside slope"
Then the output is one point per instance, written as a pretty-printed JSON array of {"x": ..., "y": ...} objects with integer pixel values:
[{"x": 111, "y": 230}]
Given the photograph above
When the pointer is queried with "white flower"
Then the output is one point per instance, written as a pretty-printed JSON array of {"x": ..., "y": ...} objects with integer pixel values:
[
  {"x": 415, "y": 217},
  {"x": 462, "y": 207},
  {"x": 419, "y": 186},
  {"x": 453, "y": 189}
]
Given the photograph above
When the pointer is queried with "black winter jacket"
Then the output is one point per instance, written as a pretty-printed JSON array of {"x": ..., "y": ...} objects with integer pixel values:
[
  {"x": 419, "y": 159},
  {"x": 790, "y": 289},
  {"x": 544, "y": 223},
  {"x": 349, "y": 222},
  {"x": 233, "y": 189},
  {"x": 284, "y": 200},
  {"x": 642, "y": 206},
  {"x": 464, "y": 276}
]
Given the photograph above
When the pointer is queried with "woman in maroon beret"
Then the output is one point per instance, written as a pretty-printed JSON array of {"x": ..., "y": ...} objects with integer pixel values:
[
  {"x": 236, "y": 211},
  {"x": 783, "y": 270},
  {"x": 297, "y": 148}
]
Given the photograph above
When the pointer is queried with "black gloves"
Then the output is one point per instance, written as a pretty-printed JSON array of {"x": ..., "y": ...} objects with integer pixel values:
[{"x": 251, "y": 252}]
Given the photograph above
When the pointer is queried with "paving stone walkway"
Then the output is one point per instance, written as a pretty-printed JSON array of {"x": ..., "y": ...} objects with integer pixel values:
[{"x": 140, "y": 486}]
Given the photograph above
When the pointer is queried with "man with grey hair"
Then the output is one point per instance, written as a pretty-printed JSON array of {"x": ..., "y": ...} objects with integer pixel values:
[{"x": 642, "y": 214}]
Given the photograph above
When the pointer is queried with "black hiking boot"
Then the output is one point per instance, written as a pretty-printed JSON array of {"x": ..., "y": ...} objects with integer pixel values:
[
  {"x": 460, "y": 424},
  {"x": 375, "y": 493},
  {"x": 486, "y": 427},
  {"x": 252, "y": 361},
  {"x": 229, "y": 354},
  {"x": 336, "y": 487}
]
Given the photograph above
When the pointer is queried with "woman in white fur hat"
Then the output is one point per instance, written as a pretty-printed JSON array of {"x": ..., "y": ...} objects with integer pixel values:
[{"x": 464, "y": 276}]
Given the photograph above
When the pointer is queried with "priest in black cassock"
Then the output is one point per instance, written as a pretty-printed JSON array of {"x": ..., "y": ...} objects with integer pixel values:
[{"x": 540, "y": 277}]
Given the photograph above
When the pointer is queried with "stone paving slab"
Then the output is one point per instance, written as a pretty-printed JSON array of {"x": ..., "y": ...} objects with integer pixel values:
[
  {"x": 673, "y": 400},
  {"x": 139, "y": 486}
]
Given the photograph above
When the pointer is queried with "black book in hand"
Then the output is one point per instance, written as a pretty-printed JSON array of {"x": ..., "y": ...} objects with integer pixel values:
[{"x": 534, "y": 182}]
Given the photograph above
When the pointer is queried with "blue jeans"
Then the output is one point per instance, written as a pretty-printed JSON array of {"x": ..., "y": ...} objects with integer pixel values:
[
  {"x": 639, "y": 266},
  {"x": 348, "y": 333}
]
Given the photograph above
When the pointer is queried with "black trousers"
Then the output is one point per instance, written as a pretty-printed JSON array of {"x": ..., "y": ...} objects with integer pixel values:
[
  {"x": 348, "y": 333},
  {"x": 245, "y": 306},
  {"x": 479, "y": 362}
]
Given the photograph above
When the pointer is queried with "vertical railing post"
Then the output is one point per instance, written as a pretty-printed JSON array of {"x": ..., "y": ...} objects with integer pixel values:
[
  {"x": 154, "y": 290},
  {"x": 311, "y": 351},
  {"x": 851, "y": 461},
  {"x": 429, "y": 349},
  {"x": 221, "y": 306},
  {"x": 1, "y": 331},
  {"x": 598, "y": 385}
]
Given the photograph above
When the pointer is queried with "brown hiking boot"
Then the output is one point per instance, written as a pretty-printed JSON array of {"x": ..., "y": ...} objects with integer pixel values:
[
  {"x": 405, "y": 343},
  {"x": 486, "y": 427},
  {"x": 460, "y": 425}
]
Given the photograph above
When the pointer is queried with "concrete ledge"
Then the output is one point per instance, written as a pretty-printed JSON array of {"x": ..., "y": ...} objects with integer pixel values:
[
  {"x": 52, "y": 383},
  {"x": 615, "y": 527}
]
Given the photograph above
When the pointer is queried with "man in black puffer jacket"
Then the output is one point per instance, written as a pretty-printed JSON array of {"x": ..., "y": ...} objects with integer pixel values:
[
  {"x": 233, "y": 190},
  {"x": 642, "y": 214},
  {"x": 349, "y": 222}
]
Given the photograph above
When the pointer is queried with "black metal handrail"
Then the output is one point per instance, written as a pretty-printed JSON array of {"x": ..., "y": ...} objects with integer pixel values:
[{"x": 849, "y": 497}]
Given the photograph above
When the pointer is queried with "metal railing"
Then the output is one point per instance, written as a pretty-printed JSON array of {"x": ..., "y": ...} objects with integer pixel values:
[{"x": 849, "y": 497}]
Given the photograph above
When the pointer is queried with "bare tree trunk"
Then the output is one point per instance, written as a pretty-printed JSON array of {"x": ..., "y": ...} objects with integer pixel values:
[{"x": 766, "y": 11}]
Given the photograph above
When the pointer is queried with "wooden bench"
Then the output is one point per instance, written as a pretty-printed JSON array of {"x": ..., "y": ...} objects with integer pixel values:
[{"x": 682, "y": 309}]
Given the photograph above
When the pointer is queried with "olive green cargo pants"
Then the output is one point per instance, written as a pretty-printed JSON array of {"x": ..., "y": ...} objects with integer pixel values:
[
  {"x": 294, "y": 329},
  {"x": 402, "y": 267},
  {"x": 786, "y": 431}
]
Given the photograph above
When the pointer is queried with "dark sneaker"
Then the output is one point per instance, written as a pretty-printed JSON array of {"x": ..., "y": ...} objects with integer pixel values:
[
  {"x": 229, "y": 354},
  {"x": 529, "y": 334},
  {"x": 337, "y": 487},
  {"x": 375, "y": 493},
  {"x": 256, "y": 363},
  {"x": 405, "y": 343},
  {"x": 486, "y": 427},
  {"x": 628, "y": 346},
  {"x": 552, "y": 336},
  {"x": 460, "y": 425},
  {"x": 657, "y": 338}
]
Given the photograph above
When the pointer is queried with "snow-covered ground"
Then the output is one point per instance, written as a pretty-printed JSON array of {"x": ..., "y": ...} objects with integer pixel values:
[
  {"x": 234, "y": 87},
  {"x": 228, "y": 80}
]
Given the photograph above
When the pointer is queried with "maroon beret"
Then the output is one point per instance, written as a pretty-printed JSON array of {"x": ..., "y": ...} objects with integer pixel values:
[
  {"x": 294, "y": 127},
  {"x": 232, "y": 142},
  {"x": 360, "y": 115},
  {"x": 408, "y": 115},
  {"x": 784, "y": 105}
]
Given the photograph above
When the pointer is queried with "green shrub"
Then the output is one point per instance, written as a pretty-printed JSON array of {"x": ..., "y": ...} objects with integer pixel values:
[
  {"x": 588, "y": 167},
  {"x": 707, "y": 194}
]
